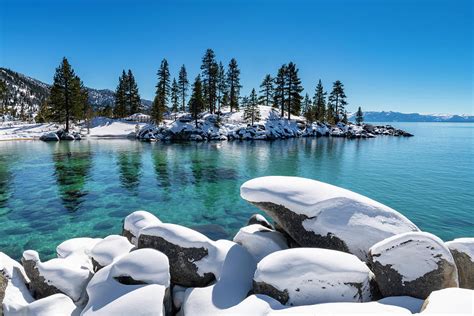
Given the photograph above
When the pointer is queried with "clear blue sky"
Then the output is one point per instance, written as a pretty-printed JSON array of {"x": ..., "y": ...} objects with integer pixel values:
[{"x": 405, "y": 55}]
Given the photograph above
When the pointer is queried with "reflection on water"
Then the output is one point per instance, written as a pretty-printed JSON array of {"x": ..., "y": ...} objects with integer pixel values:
[{"x": 52, "y": 192}]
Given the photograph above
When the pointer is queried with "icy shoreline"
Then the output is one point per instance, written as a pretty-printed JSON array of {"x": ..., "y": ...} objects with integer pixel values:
[{"x": 328, "y": 251}]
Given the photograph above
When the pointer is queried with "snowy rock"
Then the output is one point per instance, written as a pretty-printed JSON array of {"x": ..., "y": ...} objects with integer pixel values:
[
  {"x": 13, "y": 280},
  {"x": 191, "y": 254},
  {"x": 303, "y": 276},
  {"x": 412, "y": 264},
  {"x": 60, "y": 275},
  {"x": 136, "y": 221},
  {"x": 317, "y": 214},
  {"x": 108, "y": 250},
  {"x": 49, "y": 137},
  {"x": 136, "y": 284},
  {"x": 260, "y": 241},
  {"x": 57, "y": 304},
  {"x": 462, "y": 250},
  {"x": 411, "y": 303},
  {"x": 453, "y": 301},
  {"x": 77, "y": 246},
  {"x": 259, "y": 219}
]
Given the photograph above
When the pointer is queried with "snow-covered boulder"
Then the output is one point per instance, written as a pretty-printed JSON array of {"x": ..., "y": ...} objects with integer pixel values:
[
  {"x": 452, "y": 301},
  {"x": 108, "y": 250},
  {"x": 412, "y": 264},
  {"x": 192, "y": 255},
  {"x": 76, "y": 246},
  {"x": 303, "y": 276},
  {"x": 13, "y": 280},
  {"x": 136, "y": 221},
  {"x": 260, "y": 241},
  {"x": 317, "y": 214},
  {"x": 259, "y": 219},
  {"x": 56, "y": 304},
  {"x": 462, "y": 250},
  {"x": 50, "y": 137},
  {"x": 59, "y": 275},
  {"x": 136, "y": 284}
]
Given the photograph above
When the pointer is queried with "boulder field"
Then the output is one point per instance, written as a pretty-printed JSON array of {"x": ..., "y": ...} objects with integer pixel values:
[{"x": 322, "y": 250}]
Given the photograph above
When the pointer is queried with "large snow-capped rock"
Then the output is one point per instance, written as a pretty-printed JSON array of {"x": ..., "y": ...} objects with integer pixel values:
[
  {"x": 260, "y": 241},
  {"x": 59, "y": 275},
  {"x": 303, "y": 276},
  {"x": 56, "y": 304},
  {"x": 79, "y": 250},
  {"x": 452, "y": 301},
  {"x": 232, "y": 285},
  {"x": 193, "y": 257},
  {"x": 412, "y": 264},
  {"x": 317, "y": 214},
  {"x": 108, "y": 250},
  {"x": 259, "y": 219},
  {"x": 134, "y": 222},
  {"x": 13, "y": 290},
  {"x": 136, "y": 284},
  {"x": 462, "y": 250}
]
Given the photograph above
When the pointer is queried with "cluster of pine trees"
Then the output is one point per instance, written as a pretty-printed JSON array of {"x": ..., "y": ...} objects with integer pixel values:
[{"x": 127, "y": 98}]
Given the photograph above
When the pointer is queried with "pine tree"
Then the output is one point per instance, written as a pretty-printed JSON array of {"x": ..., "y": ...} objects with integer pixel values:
[
  {"x": 67, "y": 95},
  {"x": 221, "y": 86},
  {"x": 3, "y": 97},
  {"x": 308, "y": 111},
  {"x": 133, "y": 97},
  {"x": 267, "y": 89},
  {"x": 319, "y": 103},
  {"x": 279, "y": 100},
  {"x": 344, "y": 117},
  {"x": 251, "y": 110},
  {"x": 233, "y": 84},
  {"x": 160, "y": 103},
  {"x": 174, "y": 96},
  {"x": 337, "y": 99},
  {"x": 196, "y": 103},
  {"x": 210, "y": 70},
  {"x": 120, "y": 108},
  {"x": 359, "y": 116},
  {"x": 293, "y": 90},
  {"x": 183, "y": 86}
]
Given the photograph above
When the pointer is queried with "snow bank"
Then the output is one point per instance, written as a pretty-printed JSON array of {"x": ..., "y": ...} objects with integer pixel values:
[
  {"x": 451, "y": 301},
  {"x": 57, "y": 304},
  {"x": 109, "y": 249},
  {"x": 22, "y": 131}
]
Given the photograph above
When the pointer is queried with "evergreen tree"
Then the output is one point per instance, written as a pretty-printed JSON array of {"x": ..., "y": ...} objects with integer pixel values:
[
  {"x": 308, "y": 111},
  {"x": 279, "y": 99},
  {"x": 266, "y": 97},
  {"x": 120, "y": 108},
  {"x": 359, "y": 116},
  {"x": 196, "y": 103},
  {"x": 337, "y": 99},
  {"x": 344, "y": 118},
  {"x": 160, "y": 103},
  {"x": 174, "y": 96},
  {"x": 209, "y": 76},
  {"x": 3, "y": 97},
  {"x": 183, "y": 84},
  {"x": 251, "y": 110},
  {"x": 319, "y": 103},
  {"x": 221, "y": 86},
  {"x": 67, "y": 95},
  {"x": 293, "y": 90},
  {"x": 233, "y": 84},
  {"x": 134, "y": 104}
]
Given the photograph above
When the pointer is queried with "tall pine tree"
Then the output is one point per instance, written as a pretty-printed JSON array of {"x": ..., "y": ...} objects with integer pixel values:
[
  {"x": 359, "y": 116},
  {"x": 134, "y": 104},
  {"x": 209, "y": 76},
  {"x": 174, "y": 96},
  {"x": 279, "y": 100},
  {"x": 3, "y": 96},
  {"x": 308, "y": 111},
  {"x": 160, "y": 103},
  {"x": 337, "y": 101},
  {"x": 319, "y": 103},
  {"x": 120, "y": 107},
  {"x": 233, "y": 84},
  {"x": 183, "y": 84},
  {"x": 196, "y": 103},
  {"x": 251, "y": 110},
  {"x": 293, "y": 90},
  {"x": 221, "y": 86},
  {"x": 266, "y": 91}
]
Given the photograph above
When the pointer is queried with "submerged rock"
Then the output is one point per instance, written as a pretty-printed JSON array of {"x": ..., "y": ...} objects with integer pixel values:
[
  {"x": 412, "y": 264},
  {"x": 462, "y": 250},
  {"x": 304, "y": 276},
  {"x": 317, "y": 214}
]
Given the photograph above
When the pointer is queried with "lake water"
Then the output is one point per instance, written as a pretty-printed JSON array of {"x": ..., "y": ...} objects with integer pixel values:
[{"x": 50, "y": 192}]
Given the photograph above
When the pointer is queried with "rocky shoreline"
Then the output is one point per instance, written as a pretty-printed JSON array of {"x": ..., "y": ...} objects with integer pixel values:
[{"x": 327, "y": 251}]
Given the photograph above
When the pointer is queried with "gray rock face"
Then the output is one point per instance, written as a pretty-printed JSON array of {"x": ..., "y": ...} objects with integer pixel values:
[
  {"x": 462, "y": 250},
  {"x": 49, "y": 137},
  {"x": 412, "y": 264},
  {"x": 182, "y": 260},
  {"x": 38, "y": 285},
  {"x": 268, "y": 289}
]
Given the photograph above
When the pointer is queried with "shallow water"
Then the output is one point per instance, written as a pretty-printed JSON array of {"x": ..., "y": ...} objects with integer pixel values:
[{"x": 50, "y": 192}]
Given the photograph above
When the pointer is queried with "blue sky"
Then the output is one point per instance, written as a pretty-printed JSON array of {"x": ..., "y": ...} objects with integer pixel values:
[{"x": 405, "y": 55}]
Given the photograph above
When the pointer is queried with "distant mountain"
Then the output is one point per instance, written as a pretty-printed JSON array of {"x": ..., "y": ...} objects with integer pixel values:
[
  {"x": 372, "y": 116},
  {"x": 26, "y": 93}
]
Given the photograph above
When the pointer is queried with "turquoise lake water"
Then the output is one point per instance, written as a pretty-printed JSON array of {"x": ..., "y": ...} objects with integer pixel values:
[{"x": 50, "y": 192}]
